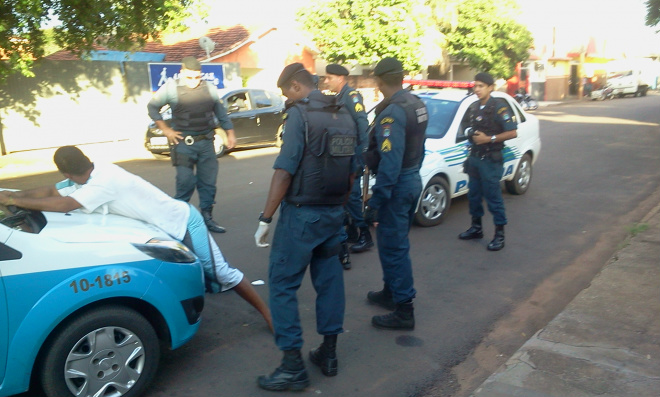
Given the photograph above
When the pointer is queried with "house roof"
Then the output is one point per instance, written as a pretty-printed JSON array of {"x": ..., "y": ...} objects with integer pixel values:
[{"x": 177, "y": 46}]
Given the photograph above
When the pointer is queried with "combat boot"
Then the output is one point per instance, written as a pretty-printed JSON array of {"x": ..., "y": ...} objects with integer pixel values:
[
  {"x": 364, "y": 242},
  {"x": 290, "y": 375},
  {"x": 402, "y": 317},
  {"x": 497, "y": 243},
  {"x": 325, "y": 356},
  {"x": 344, "y": 256},
  {"x": 382, "y": 298},
  {"x": 474, "y": 231},
  {"x": 210, "y": 223},
  {"x": 352, "y": 232}
]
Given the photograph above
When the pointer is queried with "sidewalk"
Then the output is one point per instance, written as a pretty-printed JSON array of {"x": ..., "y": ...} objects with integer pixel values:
[{"x": 606, "y": 342}]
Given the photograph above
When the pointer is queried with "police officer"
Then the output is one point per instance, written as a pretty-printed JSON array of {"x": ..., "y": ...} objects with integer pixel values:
[
  {"x": 196, "y": 109},
  {"x": 312, "y": 179},
  {"x": 335, "y": 80},
  {"x": 492, "y": 123},
  {"x": 395, "y": 153}
]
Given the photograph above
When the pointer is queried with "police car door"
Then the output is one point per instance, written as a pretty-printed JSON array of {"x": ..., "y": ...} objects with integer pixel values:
[
  {"x": 5, "y": 254},
  {"x": 512, "y": 147}
]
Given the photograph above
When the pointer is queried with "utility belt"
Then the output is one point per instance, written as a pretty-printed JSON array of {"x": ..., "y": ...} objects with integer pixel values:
[
  {"x": 489, "y": 153},
  {"x": 190, "y": 139}
]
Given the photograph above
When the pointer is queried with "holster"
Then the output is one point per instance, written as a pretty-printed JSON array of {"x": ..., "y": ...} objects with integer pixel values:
[
  {"x": 371, "y": 159},
  {"x": 179, "y": 159}
]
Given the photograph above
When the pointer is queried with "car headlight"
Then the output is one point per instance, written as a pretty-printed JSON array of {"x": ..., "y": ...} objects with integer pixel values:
[{"x": 167, "y": 251}]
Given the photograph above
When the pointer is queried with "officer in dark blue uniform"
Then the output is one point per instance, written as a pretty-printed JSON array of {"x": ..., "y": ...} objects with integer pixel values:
[
  {"x": 335, "y": 80},
  {"x": 313, "y": 176},
  {"x": 395, "y": 154},
  {"x": 196, "y": 108},
  {"x": 492, "y": 123}
]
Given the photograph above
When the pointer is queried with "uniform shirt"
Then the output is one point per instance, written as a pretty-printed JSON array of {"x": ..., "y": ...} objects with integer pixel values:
[
  {"x": 167, "y": 94},
  {"x": 390, "y": 132},
  {"x": 352, "y": 101},
  {"x": 503, "y": 116},
  {"x": 111, "y": 189}
]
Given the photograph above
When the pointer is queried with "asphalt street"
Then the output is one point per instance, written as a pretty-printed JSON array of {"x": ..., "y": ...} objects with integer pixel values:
[{"x": 594, "y": 179}]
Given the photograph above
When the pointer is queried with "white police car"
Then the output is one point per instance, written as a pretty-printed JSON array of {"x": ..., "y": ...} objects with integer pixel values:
[
  {"x": 447, "y": 148},
  {"x": 87, "y": 300}
]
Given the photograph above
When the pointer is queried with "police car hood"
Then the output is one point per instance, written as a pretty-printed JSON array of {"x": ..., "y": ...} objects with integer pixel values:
[{"x": 79, "y": 227}]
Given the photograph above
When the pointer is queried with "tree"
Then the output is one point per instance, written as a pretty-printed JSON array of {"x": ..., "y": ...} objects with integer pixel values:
[
  {"x": 488, "y": 37},
  {"x": 365, "y": 31},
  {"x": 116, "y": 24},
  {"x": 652, "y": 12}
]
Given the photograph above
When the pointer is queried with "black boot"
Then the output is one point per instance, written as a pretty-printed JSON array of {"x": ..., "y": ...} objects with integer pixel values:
[
  {"x": 382, "y": 298},
  {"x": 344, "y": 256},
  {"x": 364, "y": 242},
  {"x": 497, "y": 243},
  {"x": 353, "y": 233},
  {"x": 474, "y": 231},
  {"x": 210, "y": 223},
  {"x": 290, "y": 375},
  {"x": 401, "y": 318},
  {"x": 325, "y": 356}
]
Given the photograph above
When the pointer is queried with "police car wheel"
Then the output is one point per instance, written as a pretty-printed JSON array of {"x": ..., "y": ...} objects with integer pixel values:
[
  {"x": 433, "y": 203},
  {"x": 219, "y": 142},
  {"x": 109, "y": 351},
  {"x": 522, "y": 178}
]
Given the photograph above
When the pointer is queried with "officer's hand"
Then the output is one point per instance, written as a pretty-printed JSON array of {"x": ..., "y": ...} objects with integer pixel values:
[
  {"x": 479, "y": 138},
  {"x": 261, "y": 235},
  {"x": 173, "y": 137},
  {"x": 370, "y": 216}
]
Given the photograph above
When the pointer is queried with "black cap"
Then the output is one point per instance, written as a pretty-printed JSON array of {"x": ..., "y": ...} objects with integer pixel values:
[
  {"x": 484, "y": 78},
  {"x": 388, "y": 65},
  {"x": 288, "y": 72},
  {"x": 336, "y": 69},
  {"x": 191, "y": 63}
]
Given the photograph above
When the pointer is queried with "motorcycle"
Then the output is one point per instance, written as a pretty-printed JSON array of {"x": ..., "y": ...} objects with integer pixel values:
[{"x": 525, "y": 100}]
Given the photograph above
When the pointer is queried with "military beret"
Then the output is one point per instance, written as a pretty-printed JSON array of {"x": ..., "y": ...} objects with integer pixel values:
[
  {"x": 388, "y": 65},
  {"x": 191, "y": 63},
  {"x": 288, "y": 72},
  {"x": 484, "y": 78},
  {"x": 336, "y": 69}
]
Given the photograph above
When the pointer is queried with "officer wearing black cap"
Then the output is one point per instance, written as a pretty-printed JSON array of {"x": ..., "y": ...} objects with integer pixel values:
[
  {"x": 196, "y": 109},
  {"x": 492, "y": 123},
  {"x": 395, "y": 154},
  {"x": 313, "y": 176},
  {"x": 335, "y": 80}
]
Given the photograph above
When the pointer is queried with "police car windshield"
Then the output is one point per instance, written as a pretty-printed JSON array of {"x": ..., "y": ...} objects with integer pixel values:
[{"x": 441, "y": 114}]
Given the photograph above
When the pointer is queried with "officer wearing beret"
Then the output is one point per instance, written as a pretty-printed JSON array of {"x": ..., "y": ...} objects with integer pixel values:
[
  {"x": 313, "y": 176},
  {"x": 492, "y": 123},
  {"x": 196, "y": 111},
  {"x": 335, "y": 80},
  {"x": 395, "y": 154}
]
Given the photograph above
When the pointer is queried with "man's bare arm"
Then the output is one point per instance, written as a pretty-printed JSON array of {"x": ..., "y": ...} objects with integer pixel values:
[{"x": 278, "y": 187}]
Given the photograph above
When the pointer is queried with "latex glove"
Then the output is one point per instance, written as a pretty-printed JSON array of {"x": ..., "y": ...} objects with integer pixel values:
[
  {"x": 261, "y": 235},
  {"x": 370, "y": 215}
]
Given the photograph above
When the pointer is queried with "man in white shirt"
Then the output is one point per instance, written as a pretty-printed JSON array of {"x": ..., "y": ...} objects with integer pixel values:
[{"x": 108, "y": 188}]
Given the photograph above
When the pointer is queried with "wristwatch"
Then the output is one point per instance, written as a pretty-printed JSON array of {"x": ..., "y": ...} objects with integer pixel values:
[
  {"x": 492, "y": 139},
  {"x": 265, "y": 220}
]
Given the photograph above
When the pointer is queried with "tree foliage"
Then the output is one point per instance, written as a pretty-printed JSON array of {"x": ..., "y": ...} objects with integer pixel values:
[
  {"x": 488, "y": 37},
  {"x": 365, "y": 31},
  {"x": 652, "y": 12},
  {"x": 82, "y": 24}
]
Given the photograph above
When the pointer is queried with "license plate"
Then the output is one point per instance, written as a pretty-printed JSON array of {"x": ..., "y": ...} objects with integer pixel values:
[{"x": 158, "y": 141}]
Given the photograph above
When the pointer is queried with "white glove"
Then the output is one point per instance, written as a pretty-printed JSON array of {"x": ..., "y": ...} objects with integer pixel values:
[{"x": 261, "y": 235}]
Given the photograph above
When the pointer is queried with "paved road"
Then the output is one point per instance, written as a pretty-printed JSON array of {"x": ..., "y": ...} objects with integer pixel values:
[{"x": 598, "y": 166}]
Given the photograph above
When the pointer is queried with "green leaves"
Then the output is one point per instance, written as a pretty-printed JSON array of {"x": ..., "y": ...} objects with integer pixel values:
[{"x": 488, "y": 37}]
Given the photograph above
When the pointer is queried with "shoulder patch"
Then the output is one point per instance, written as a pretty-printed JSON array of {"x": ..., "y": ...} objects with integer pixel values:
[
  {"x": 386, "y": 146},
  {"x": 284, "y": 116},
  {"x": 387, "y": 120},
  {"x": 354, "y": 92},
  {"x": 359, "y": 108}
]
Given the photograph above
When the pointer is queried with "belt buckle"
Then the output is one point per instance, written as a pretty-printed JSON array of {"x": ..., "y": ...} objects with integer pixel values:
[{"x": 188, "y": 140}]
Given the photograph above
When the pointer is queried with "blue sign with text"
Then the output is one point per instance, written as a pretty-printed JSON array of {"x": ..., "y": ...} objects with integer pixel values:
[{"x": 159, "y": 73}]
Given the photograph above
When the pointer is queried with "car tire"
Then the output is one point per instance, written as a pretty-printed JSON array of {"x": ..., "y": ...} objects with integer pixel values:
[
  {"x": 220, "y": 142},
  {"x": 433, "y": 203},
  {"x": 111, "y": 350},
  {"x": 278, "y": 137},
  {"x": 522, "y": 178}
]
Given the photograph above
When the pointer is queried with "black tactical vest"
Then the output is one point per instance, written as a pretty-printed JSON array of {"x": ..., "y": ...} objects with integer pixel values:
[
  {"x": 322, "y": 178},
  {"x": 484, "y": 120},
  {"x": 194, "y": 109},
  {"x": 416, "y": 121}
]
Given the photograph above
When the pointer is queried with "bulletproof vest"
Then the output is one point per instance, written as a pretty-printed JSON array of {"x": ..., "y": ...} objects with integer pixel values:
[
  {"x": 194, "y": 109},
  {"x": 322, "y": 178},
  {"x": 484, "y": 120},
  {"x": 416, "y": 121}
]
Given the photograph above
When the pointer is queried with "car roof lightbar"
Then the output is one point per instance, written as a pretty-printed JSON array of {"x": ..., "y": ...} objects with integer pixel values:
[{"x": 440, "y": 83}]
